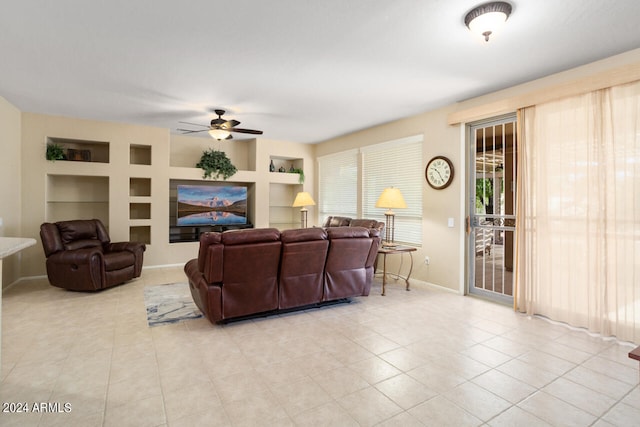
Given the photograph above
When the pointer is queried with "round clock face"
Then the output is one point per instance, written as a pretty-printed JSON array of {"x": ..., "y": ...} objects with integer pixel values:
[{"x": 439, "y": 172}]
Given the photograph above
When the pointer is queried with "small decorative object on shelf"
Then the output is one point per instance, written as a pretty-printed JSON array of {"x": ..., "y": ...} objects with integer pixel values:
[
  {"x": 272, "y": 167},
  {"x": 216, "y": 163},
  {"x": 282, "y": 169},
  {"x": 79, "y": 155},
  {"x": 55, "y": 152},
  {"x": 300, "y": 173}
]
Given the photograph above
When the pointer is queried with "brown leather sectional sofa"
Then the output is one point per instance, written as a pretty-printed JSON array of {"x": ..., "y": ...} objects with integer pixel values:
[
  {"x": 245, "y": 272},
  {"x": 343, "y": 221}
]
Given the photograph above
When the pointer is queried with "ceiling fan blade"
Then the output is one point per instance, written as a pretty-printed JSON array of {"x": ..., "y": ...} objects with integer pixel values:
[
  {"x": 187, "y": 131},
  {"x": 251, "y": 131},
  {"x": 228, "y": 125},
  {"x": 194, "y": 124}
]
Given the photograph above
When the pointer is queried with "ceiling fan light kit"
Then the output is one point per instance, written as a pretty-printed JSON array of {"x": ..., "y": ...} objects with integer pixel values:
[
  {"x": 219, "y": 134},
  {"x": 220, "y": 128},
  {"x": 488, "y": 18}
]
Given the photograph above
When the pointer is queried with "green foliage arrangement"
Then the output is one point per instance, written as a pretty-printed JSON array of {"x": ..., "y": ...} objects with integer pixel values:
[
  {"x": 300, "y": 173},
  {"x": 55, "y": 152},
  {"x": 216, "y": 163},
  {"x": 484, "y": 192}
]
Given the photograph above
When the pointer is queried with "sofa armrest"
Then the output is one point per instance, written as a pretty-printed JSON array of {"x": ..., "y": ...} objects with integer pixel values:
[
  {"x": 134, "y": 247},
  {"x": 80, "y": 269},
  {"x": 78, "y": 256},
  {"x": 213, "y": 264}
]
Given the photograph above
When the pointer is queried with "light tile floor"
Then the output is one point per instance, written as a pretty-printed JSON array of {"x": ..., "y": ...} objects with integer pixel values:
[{"x": 425, "y": 357}]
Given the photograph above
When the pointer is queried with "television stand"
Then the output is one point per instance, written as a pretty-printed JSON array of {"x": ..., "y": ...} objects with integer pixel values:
[{"x": 192, "y": 234}]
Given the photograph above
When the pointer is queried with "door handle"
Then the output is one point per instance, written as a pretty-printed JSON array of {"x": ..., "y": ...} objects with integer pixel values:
[{"x": 468, "y": 225}]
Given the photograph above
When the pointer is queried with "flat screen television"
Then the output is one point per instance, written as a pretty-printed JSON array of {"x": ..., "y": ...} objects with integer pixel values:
[{"x": 200, "y": 205}]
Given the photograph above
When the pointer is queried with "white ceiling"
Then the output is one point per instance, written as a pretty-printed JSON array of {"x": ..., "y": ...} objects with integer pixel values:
[{"x": 300, "y": 70}]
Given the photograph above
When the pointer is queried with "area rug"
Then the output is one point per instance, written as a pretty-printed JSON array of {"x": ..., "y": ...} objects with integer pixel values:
[{"x": 171, "y": 303}]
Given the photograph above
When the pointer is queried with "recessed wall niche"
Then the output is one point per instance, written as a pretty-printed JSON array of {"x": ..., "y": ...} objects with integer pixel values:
[
  {"x": 77, "y": 197},
  {"x": 140, "y": 233},
  {"x": 140, "y": 187},
  {"x": 139, "y": 154},
  {"x": 82, "y": 150}
]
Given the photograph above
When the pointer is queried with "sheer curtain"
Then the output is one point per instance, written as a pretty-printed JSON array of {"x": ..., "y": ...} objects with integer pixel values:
[{"x": 578, "y": 238}]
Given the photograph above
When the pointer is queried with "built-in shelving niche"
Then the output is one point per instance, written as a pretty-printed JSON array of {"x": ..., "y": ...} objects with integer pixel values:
[
  {"x": 82, "y": 150},
  {"x": 140, "y": 233},
  {"x": 283, "y": 188},
  {"x": 139, "y": 210},
  {"x": 77, "y": 197},
  {"x": 281, "y": 214},
  {"x": 140, "y": 187},
  {"x": 139, "y": 154}
]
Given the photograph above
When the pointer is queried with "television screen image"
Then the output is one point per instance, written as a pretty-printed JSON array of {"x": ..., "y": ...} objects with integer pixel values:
[{"x": 200, "y": 205}]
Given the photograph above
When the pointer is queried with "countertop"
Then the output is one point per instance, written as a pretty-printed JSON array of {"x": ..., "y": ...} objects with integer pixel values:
[{"x": 11, "y": 245}]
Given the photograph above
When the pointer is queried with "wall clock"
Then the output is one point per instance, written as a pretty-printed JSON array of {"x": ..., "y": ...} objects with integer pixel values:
[{"x": 439, "y": 172}]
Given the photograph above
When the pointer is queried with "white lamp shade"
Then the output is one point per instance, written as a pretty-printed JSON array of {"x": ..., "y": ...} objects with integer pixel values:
[
  {"x": 391, "y": 198},
  {"x": 488, "y": 18},
  {"x": 303, "y": 199},
  {"x": 219, "y": 134},
  {"x": 490, "y": 23}
]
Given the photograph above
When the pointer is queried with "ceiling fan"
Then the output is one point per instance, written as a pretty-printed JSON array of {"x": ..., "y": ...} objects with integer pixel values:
[{"x": 220, "y": 128}]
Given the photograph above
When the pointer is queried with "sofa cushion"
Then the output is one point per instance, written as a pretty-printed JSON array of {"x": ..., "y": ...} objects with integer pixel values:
[
  {"x": 77, "y": 230},
  {"x": 255, "y": 235},
  {"x": 81, "y": 244},
  {"x": 304, "y": 253},
  {"x": 366, "y": 223},
  {"x": 346, "y": 267},
  {"x": 336, "y": 221},
  {"x": 118, "y": 260},
  {"x": 303, "y": 235},
  {"x": 347, "y": 232}
]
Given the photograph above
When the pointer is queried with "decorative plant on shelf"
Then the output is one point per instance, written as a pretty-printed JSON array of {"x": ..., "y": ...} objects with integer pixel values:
[
  {"x": 300, "y": 173},
  {"x": 216, "y": 163},
  {"x": 55, "y": 152}
]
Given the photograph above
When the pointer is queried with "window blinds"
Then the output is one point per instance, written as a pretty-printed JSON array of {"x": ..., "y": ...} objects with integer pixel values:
[
  {"x": 338, "y": 185},
  {"x": 395, "y": 164}
]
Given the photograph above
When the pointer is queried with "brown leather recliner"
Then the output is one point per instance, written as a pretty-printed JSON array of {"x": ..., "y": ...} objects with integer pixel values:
[
  {"x": 81, "y": 257},
  {"x": 236, "y": 273},
  {"x": 349, "y": 266},
  {"x": 304, "y": 253}
]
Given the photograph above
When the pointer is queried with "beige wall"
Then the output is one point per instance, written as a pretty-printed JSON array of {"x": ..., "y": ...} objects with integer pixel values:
[
  {"x": 35, "y": 130},
  {"x": 444, "y": 133},
  {"x": 23, "y": 136},
  {"x": 252, "y": 158},
  {"x": 173, "y": 157},
  {"x": 10, "y": 194},
  {"x": 439, "y": 242}
]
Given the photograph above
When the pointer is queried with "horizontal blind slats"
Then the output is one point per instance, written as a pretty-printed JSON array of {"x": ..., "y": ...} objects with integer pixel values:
[
  {"x": 397, "y": 166},
  {"x": 337, "y": 186}
]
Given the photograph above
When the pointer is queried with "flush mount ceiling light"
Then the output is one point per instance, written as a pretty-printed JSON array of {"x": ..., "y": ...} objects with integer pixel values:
[{"x": 487, "y": 18}]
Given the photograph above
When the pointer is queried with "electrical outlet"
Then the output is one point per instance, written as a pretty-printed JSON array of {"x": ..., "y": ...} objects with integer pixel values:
[{"x": 427, "y": 260}]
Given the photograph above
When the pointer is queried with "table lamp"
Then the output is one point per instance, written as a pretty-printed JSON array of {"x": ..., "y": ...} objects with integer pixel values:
[
  {"x": 391, "y": 198},
  {"x": 303, "y": 199}
]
